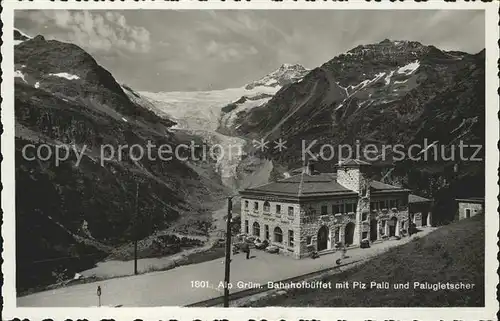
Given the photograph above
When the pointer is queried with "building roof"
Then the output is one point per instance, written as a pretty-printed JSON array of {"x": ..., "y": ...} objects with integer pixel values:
[
  {"x": 412, "y": 198},
  {"x": 304, "y": 185},
  {"x": 321, "y": 184},
  {"x": 471, "y": 200}
]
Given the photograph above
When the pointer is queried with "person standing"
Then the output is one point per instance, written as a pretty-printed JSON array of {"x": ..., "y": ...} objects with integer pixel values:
[{"x": 246, "y": 249}]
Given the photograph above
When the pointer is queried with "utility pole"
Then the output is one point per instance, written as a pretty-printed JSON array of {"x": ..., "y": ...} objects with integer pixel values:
[
  {"x": 228, "y": 252},
  {"x": 135, "y": 227}
]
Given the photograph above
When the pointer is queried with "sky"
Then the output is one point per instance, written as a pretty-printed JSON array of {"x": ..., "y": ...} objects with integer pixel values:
[{"x": 167, "y": 50}]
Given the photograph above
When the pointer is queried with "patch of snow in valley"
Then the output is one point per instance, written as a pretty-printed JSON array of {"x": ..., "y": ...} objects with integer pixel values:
[
  {"x": 409, "y": 68},
  {"x": 65, "y": 75},
  {"x": 125, "y": 120},
  {"x": 37, "y": 84},
  {"x": 400, "y": 81}
]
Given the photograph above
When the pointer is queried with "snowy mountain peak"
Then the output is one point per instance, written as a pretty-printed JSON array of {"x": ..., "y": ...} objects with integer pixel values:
[{"x": 284, "y": 75}]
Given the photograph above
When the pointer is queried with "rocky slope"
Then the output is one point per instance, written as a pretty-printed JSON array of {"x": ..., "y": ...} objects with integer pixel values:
[{"x": 68, "y": 215}]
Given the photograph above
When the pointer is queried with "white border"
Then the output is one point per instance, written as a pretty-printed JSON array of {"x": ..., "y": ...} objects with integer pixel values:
[{"x": 164, "y": 313}]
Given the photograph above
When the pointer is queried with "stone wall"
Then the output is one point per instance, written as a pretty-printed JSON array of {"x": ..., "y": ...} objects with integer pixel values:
[
  {"x": 312, "y": 220},
  {"x": 474, "y": 208},
  {"x": 349, "y": 177}
]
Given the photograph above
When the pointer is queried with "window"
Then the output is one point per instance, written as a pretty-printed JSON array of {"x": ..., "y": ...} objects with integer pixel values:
[
  {"x": 392, "y": 203},
  {"x": 364, "y": 235},
  {"x": 290, "y": 210},
  {"x": 381, "y": 205},
  {"x": 341, "y": 208},
  {"x": 348, "y": 208},
  {"x": 335, "y": 209},
  {"x": 354, "y": 207},
  {"x": 309, "y": 240},
  {"x": 246, "y": 204},
  {"x": 266, "y": 231},
  {"x": 278, "y": 235},
  {"x": 267, "y": 206},
  {"x": 467, "y": 213},
  {"x": 364, "y": 216},
  {"x": 246, "y": 226},
  {"x": 278, "y": 209},
  {"x": 290, "y": 238},
  {"x": 256, "y": 229},
  {"x": 324, "y": 210},
  {"x": 373, "y": 206},
  {"x": 256, "y": 206}
]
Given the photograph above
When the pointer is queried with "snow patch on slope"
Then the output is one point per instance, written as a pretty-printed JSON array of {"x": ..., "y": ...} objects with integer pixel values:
[
  {"x": 65, "y": 75},
  {"x": 409, "y": 68},
  {"x": 388, "y": 77},
  {"x": 19, "y": 74}
]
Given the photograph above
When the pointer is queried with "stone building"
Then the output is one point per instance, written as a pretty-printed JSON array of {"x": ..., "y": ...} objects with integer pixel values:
[
  {"x": 468, "y": 207},
  {"x": 318, "y": 210}
]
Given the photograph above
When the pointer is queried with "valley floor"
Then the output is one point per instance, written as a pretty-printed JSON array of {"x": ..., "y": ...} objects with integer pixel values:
[{"x": 179, "y": 286}]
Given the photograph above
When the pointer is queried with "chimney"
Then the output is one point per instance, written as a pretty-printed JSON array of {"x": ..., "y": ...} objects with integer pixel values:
[{"x": 351, "y": 174}]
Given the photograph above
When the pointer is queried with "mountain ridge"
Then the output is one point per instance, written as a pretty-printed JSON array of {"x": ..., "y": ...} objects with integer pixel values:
[{"x": 70, "y": 215}]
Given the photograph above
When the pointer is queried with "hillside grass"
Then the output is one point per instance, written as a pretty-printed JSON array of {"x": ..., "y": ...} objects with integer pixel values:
[{"x": 453, "y": 253}]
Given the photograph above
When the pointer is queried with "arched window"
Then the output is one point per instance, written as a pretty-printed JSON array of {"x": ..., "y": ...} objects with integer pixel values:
[
  {"x": 278, "y": 235},
  {"x": 267, "y": 206},
  {"x": 256, "y": 229},
  {"x": 246, "y": 204}
]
